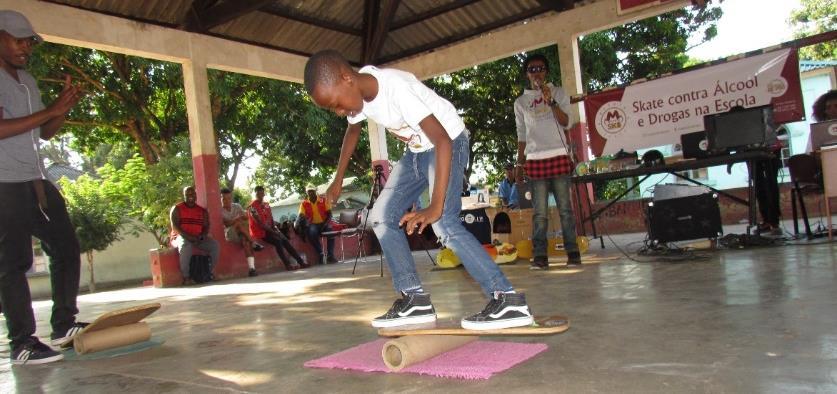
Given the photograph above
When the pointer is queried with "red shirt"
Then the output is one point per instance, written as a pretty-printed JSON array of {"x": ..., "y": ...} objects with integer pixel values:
[
  {"x": 262, "y": 211},
  {"x": 191, "y": 218}
]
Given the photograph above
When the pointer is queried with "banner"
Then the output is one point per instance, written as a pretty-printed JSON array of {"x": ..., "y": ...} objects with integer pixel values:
[
  {"x": 626, "y": 6},
  {"x": 657, "y": 112}
]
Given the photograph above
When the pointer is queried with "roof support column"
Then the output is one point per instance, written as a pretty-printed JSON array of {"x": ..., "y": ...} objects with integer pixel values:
[
  {"x": 205, "y": 155},
  {"x": 570, "y": 63},
  {"x": 378, "y": 146}
]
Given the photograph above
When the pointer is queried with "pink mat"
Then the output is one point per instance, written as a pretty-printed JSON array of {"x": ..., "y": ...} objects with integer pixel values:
[{"x": 476, "y": 360}]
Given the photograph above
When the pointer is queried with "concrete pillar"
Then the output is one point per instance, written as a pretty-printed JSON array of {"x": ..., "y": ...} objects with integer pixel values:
[
  {"x": 205, "y": 158},
  {"x": 378, "y": 146}
]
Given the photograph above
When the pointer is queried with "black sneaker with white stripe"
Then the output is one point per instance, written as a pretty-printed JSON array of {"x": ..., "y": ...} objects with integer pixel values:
[
  {"x": 32, "y": 351},
  {"x": 505, "y": 310},
  {"x": 60, "y": 338},
  {"x": 411, "y": 308}
]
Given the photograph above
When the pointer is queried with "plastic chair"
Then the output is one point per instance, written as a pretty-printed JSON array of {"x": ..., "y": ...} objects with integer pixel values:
[{"x": 806, "y": 177}]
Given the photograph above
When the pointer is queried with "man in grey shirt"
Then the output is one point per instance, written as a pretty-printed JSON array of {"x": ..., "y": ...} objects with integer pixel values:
[{"x": 29, "y": 204}]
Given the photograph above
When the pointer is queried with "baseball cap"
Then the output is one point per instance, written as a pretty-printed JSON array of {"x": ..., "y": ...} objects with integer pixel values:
[
  {"x": 17, "y": 25},
  {"x": 310, "y": 186}
]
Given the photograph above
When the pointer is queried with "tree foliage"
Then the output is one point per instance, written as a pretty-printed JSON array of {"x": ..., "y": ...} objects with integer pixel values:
[
  {"x": 127, "y": 98},
  {"x": 148, "y": 191},
  {"x": 97, "y": 221},
  {"x": 815, "y": 16}
]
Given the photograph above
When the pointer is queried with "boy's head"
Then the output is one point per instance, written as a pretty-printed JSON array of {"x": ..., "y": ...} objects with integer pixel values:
[{"x": 332, "y": 83}]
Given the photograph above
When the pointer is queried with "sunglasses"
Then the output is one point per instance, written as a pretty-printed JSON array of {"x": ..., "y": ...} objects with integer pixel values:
[{"x": 536, "y": 69}]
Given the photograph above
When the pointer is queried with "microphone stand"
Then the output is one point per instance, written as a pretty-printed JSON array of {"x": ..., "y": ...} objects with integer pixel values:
[{"x": 377, "y": 185}]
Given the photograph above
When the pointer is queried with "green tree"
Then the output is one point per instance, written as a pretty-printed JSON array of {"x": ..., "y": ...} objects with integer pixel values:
[
  {"x": 814, "y": 17},
  {"x": 148, "y": 191},
  {"x": 645, "y": 48},
  {"x": 97, "y": 221},
  {"x": 127, "y": 98}
]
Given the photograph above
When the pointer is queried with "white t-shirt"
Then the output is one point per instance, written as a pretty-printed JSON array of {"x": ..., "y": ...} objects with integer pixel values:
[
  {"x": 537, "y": 126},
  {"x": 402, "y": 102}
]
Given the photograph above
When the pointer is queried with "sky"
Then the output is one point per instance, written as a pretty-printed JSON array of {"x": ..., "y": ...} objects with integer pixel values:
[
  {"x": 748, "y": 25},
  {"x": 745, "y": 26}
]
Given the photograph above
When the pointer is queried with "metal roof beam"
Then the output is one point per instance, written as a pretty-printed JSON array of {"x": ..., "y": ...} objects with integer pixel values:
[
  {"x": 466, "y": 34},
  {"x": 432, "y": 13},
  {"x": 203, "y": 20},
  {"x": 283, "y": 12}
]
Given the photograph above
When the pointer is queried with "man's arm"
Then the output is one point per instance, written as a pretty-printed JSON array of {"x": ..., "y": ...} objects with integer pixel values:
[
  {"x": 205, "y": 224},
  {"x": 254, "y": 215},
  {"x": 350, "y": 139},
  {"x": 49, "y": 119},
  {"x": 444, "y": 152}
]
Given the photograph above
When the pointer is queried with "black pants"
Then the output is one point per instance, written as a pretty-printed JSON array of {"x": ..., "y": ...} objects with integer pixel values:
[
  {"x": 281, "y": 243},
  {"x": 767, "y": 189},
  {"x": 21, "y": 219}
]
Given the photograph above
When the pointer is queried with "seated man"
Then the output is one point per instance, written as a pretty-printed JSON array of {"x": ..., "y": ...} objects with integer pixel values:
[
  {"x": 190, "y": 226},
  {"x": 236, "y": 228},
  {"x": 317, "y": 213},
  {"x": 508, "y": 188},
  {"x": 262, "y": 227}
]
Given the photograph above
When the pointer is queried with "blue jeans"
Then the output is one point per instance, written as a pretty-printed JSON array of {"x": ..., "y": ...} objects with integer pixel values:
[
  {"x": 560, "y": 188},
  {"x": 410, "y": 177}
]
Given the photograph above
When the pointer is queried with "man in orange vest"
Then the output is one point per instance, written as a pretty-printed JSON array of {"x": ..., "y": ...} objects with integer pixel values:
[
  {"x": 264, "y": 228},
  {"x": 190, "y": 226},
  {"x": 317, "y": 212}
]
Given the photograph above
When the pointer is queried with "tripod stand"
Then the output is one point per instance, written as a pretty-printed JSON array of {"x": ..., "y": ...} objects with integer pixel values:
[{"x": 377, "y": 186}]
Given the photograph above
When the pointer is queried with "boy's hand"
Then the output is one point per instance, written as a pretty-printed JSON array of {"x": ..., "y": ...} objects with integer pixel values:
[
  {"x": 334, "y": 190},
  {"x": 420, "y": 219}
]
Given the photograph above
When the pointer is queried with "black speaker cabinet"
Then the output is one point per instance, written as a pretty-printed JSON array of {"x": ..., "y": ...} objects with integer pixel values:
[{"x": 680, "y": 219}]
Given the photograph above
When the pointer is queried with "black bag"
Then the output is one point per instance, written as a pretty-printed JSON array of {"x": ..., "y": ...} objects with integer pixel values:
[{"x": 199, "y": 269}]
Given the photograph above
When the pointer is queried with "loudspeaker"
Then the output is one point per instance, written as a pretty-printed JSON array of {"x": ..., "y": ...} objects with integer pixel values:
[{"x": 680, "y": 219}]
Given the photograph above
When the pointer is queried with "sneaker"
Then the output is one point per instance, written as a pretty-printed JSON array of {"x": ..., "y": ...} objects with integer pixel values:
[
  {"x": 34, "y": 352},
  {"x": 540, "y": 263},
  {"x": 257, "y": 246},
  {"x": 574, "y": 258},
  {"x": 252, "y": 272},
  {"x": 59, "y": 339},
  {"x": 411, "y": 308},
  {"x": 331, "y": 260},
  {"x": 505, "y": 310}
]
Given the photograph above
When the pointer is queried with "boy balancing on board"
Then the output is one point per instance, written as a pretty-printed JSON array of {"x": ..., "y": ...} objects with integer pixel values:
[{"x": 436, "y": 157}]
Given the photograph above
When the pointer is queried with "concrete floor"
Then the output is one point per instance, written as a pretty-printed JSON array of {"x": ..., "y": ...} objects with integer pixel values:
[{"x": 756, "y": 320}]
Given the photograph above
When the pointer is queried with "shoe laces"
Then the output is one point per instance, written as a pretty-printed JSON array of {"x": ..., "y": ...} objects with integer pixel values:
[{"x": 492, "y": 305}]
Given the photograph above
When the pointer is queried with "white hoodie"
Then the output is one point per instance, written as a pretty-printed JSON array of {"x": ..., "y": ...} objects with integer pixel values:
[{"x": 537, "y": 126}]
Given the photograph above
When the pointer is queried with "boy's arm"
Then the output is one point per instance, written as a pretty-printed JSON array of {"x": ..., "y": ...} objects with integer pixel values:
[
  {"x": 444, "y": 152},
  {"x": 350, "y": 139}
]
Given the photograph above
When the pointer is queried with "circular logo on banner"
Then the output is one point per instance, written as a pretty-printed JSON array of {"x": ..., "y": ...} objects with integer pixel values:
[
  {"x": 777, "y": 87},
  {"x": 703, "y": 145},
  {"x": 611, "y": 118},
  {"x": 832, "y": 129},
  {"x": 469, "y": 218}
]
